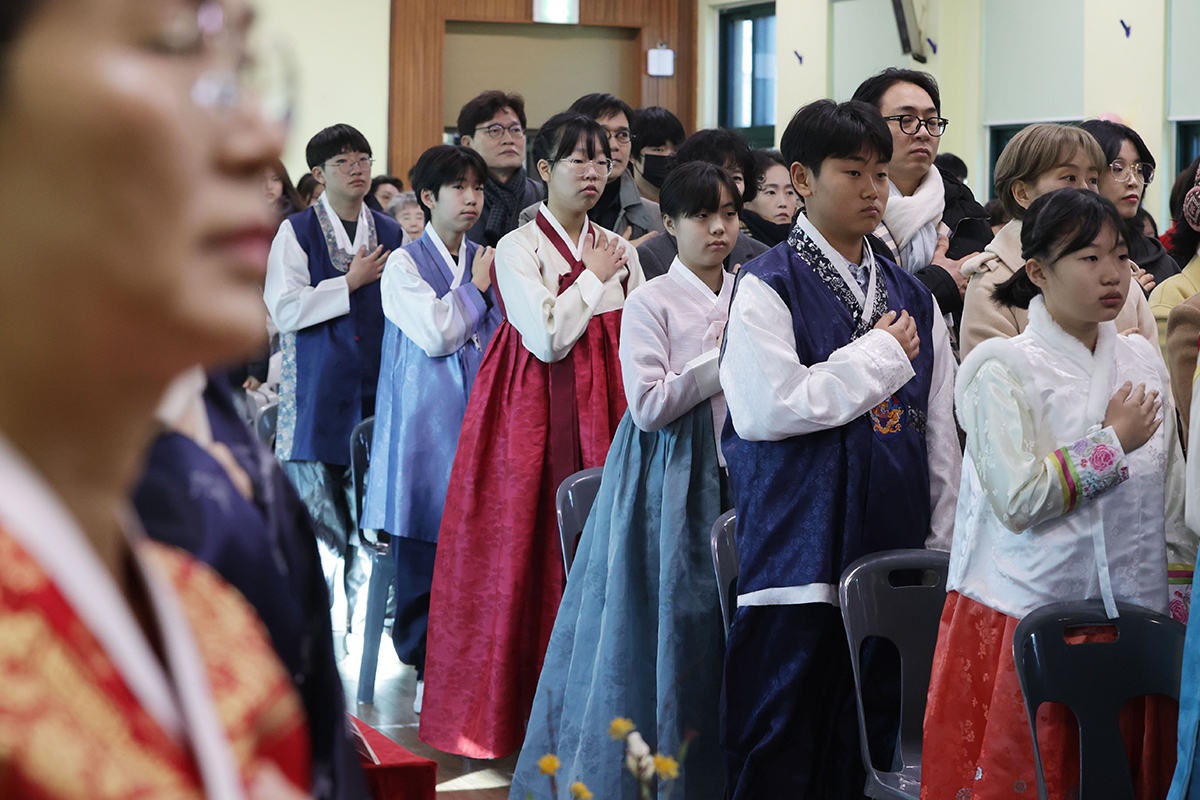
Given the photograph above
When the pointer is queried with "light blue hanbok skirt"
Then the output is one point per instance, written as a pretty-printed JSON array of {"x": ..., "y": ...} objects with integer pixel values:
[{"x": 638, "y": 633}]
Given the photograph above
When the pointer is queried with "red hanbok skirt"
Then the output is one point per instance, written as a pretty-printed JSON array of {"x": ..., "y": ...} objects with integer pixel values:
[
  {"x": 977, "y": 743},
  {"x": 498, "y": 575}
]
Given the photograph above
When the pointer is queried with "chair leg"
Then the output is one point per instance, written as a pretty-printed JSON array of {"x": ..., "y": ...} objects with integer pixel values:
[{"x": 383, "y": 572}]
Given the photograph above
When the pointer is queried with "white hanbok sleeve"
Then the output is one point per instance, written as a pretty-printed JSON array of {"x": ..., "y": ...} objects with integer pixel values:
[
  {"x": 656, "y": 395},
  {"x": 549, "y": 325},
  {"x": 291, "y": 298},
  {"x": 771, "y": 395},
  {"x": 1023, "y": 488},
  {"x": 941, "y": 439},
  {"x": 438, "y": 325}
]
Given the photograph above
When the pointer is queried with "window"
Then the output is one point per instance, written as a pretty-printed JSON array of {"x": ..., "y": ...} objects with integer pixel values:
[
  {"x": 747, "y": 84},
  {"x": 1188, "y": 136}
]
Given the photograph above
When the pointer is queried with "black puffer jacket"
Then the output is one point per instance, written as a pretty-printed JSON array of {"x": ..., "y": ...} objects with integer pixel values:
[{"x": 970, "y": 232}]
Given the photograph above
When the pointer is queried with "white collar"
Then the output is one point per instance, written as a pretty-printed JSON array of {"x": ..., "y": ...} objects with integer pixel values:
[
  {"x": 1059, "y": 341},
  {"x": 457, "y": 269},
  {"x": 835, "y": 258},
  {"x": 339, "y": 230},
  {"x": 698, "y": 288},
  {"x": 32, "y": 514},
  {"x": 575, "y": 247}
]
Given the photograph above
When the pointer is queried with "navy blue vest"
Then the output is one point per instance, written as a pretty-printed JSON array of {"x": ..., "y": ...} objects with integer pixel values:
[
  {"x": 809, "y": 506},
  {"x": 336, "y": 361}
]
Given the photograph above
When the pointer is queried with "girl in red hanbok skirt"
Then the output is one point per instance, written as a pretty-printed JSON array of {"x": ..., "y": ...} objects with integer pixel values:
[
  {"x": 546, "y": 402},
  {"x": 1072, "y": 489}
]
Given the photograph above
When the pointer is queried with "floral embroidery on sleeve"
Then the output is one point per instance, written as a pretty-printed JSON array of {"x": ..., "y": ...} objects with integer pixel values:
[{"x": 1089, "y": 467}]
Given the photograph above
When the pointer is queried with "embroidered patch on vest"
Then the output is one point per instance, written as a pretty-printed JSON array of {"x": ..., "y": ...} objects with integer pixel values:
[{"x": 887, "y": 418}]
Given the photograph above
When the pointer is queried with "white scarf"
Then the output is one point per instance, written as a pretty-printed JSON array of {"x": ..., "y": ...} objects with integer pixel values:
[{"x": 913, "y": 220}]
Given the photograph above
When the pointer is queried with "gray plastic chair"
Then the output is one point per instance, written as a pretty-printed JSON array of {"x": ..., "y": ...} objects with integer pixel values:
[
  {"x": 265, "y": 420},
  {"x": 383, "y": 565},
  {"x": 1095, "y": 679},
  {"x": 574, "y": 501},
  {"x": 725, "y": 565},
  {"x": 876, "y": 603}
]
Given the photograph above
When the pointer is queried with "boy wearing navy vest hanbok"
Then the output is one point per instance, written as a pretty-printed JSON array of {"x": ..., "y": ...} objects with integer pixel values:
[
  {"x": 322, "y": 290},
  {"x": 840, "y": 442}
]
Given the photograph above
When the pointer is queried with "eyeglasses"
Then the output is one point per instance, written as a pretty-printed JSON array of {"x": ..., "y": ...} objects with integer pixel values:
[
  {"x": 580, "y": 167},
  {"x": 911, "y": 124},
  {"x": 248, "y": 68},
  {"x": 622, "y": 136},
  {"x": 346, "y": 166},
  {"x": 1143, "y": 172},
  {"x": 496, "y": 130}
]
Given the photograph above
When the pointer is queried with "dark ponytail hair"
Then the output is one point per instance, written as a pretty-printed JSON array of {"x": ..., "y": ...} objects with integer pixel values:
[{"x": 1057, "y": 224}]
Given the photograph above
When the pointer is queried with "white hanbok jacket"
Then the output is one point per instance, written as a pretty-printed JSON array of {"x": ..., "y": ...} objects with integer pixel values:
[{"x": 1051, "y": 508}]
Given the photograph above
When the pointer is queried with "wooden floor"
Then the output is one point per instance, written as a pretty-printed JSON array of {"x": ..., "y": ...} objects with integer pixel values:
[{"x": 392, "y": 714}]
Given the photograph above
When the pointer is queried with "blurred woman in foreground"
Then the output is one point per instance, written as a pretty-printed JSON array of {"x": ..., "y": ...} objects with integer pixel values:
[{"x": 126, "y": 668}]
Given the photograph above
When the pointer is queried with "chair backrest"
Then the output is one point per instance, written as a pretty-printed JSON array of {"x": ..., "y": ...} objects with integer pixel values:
[
  {"x": 360, "y": 461},
  {"x": 897, "y": 595},
  {"x": 574, "y": 502},
  {"x": 725, "y": 565},
  {"x": 1095, "y": 679},
  {"x": 265, "y": 419}
]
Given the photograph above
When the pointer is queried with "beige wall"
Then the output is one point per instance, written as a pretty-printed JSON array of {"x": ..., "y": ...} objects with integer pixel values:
[
  {"x": 341, "y": 55},
  {"x": 476, "y": 52},
  {"x": 997, "y": 62}
]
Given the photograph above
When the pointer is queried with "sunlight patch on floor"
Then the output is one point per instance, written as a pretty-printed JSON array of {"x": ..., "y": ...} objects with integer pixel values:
[{"x": 483, "y": 779}]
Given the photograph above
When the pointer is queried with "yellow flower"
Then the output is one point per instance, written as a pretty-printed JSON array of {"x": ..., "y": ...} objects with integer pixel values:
[
  {"x": 580, "y": 791},
  {"x": 620, "y": 727},
  {"x": 666, "y": 766},
  {"x": 549, "y": 764}
]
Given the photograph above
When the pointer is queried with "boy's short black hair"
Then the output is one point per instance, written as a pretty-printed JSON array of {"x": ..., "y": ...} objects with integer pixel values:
[
  {"x": 654, "y": 126},
  {"x": 825, "y": 129},
  {"x": 443, "y": 164},
  {"x": 1110, "y": 135},
  {"x": 600, "y": 105},
  {"x": 333, "y": 141},
  {"x": 694, "y": 187},
  {"x": 724, "y": 148},
  {"x": 389, "y": 180},
  {"x": 951, "y": 164},
  {"x": 486, "y": 105},
  {"x": 873, "y": 88},
  {"x": 561, "y": 134}
]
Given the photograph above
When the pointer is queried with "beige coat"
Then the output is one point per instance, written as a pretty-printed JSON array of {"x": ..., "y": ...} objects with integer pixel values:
[{"x": 984, "y": 318}]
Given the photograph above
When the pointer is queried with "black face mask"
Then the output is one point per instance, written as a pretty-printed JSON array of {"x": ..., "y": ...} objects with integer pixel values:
[{"x": 656, "y": 168}]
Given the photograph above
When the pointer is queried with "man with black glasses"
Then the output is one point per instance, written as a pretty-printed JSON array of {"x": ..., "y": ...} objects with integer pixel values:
[
  {"x": 932, "y": 222},
  {"x": 621, "y": 207},
  {"x": 493, "y": 125}
]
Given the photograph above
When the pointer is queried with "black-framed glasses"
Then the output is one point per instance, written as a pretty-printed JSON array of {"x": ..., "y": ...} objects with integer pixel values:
[
  {"x": 1142, "y": 171},
  {"x": 603, "y": 166},
  {"x": 911, "y": 124},
  {"x": 622, "y": 136},
  {"x": 496, "y": 130},
  {"x": 346, "y": 166}
]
